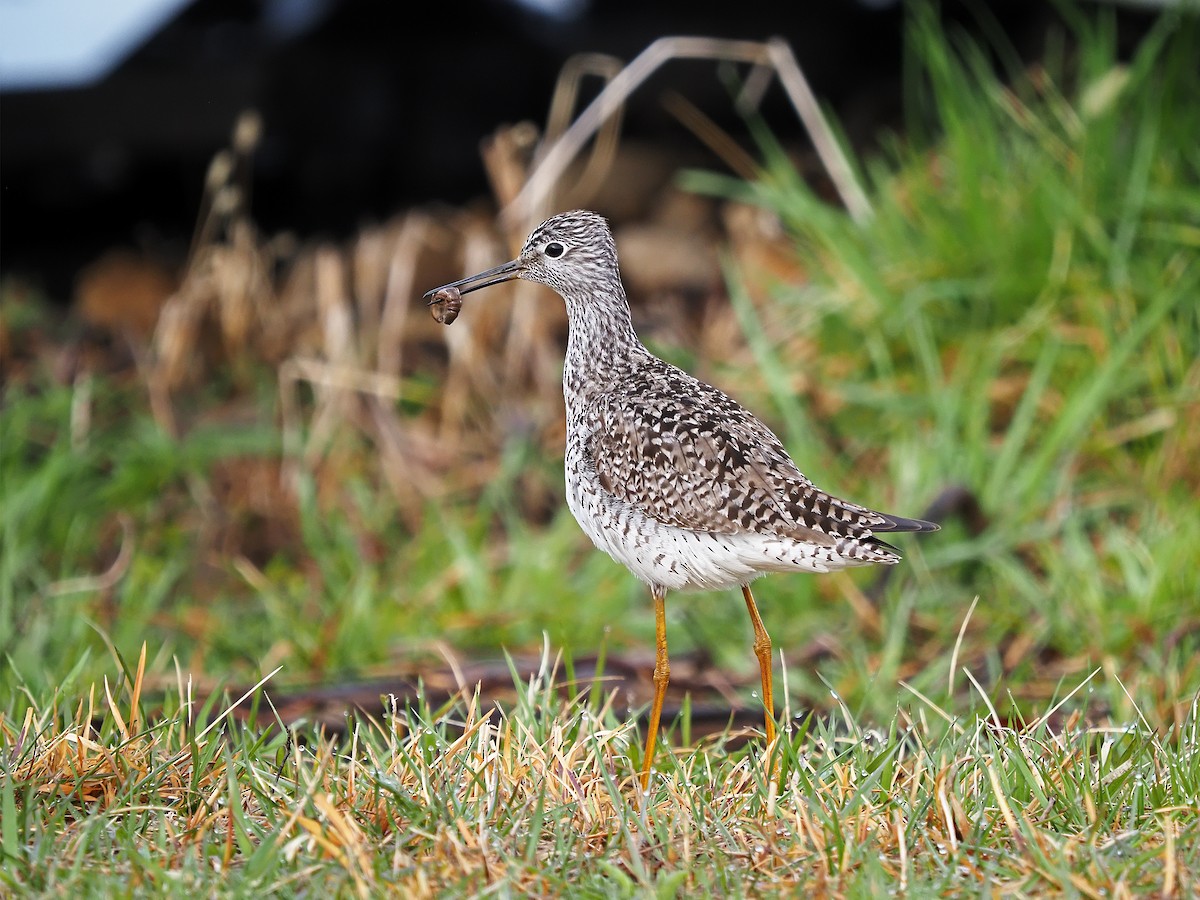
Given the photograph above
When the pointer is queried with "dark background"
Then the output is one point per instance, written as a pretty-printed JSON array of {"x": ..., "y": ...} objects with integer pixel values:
[{"x": 370, "y": 107}]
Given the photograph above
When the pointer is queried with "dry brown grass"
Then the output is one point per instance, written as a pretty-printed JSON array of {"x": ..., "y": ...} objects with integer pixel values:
[
  {"x": 343, "y": 322},
  {"x": 544, "y": 799}
]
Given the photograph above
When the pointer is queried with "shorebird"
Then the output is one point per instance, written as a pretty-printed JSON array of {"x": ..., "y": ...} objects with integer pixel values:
[{"x": 669, "y": 475}]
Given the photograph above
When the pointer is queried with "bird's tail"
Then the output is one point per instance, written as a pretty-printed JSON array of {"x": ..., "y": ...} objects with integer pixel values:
[{"x": 899, "y": 523}]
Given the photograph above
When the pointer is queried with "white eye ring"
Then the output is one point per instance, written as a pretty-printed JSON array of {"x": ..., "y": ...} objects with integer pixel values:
[{"x": 554, "y": 250}]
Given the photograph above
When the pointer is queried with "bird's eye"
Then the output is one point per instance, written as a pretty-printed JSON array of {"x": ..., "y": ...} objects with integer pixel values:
[{"x": 554, "y": 250}]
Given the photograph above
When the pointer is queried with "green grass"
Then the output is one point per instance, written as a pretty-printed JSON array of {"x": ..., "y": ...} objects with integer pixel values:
[
  {"x": 539, "y": 801},
  {"x": 1019, "y": 317},
  {"x": 1018, "y": 714}
]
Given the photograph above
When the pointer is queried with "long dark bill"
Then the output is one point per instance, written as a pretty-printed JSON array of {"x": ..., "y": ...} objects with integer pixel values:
[{"x": 506, "y": 272}]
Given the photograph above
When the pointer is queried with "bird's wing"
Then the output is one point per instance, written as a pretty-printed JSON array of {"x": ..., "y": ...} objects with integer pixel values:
[{"x": 687, "y": 455}]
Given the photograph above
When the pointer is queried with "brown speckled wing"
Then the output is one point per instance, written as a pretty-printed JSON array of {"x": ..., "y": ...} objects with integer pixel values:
[{"x": 687, "y": 455}]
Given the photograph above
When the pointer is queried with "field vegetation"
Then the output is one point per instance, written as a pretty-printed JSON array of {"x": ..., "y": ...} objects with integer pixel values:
[{"x": 296, "y": 484}]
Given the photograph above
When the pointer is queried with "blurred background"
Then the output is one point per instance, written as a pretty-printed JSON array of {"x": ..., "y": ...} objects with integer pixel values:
[
  {"x": 232, "y": 431},
  {"x": 112, "y": 115}
]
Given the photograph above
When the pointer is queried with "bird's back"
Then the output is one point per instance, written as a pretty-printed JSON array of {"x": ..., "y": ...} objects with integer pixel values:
[{"x": 688, "y": 457}]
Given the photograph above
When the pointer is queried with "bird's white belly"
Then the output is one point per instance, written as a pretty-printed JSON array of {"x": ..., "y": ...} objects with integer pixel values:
[{"x": 683, "y": 559}]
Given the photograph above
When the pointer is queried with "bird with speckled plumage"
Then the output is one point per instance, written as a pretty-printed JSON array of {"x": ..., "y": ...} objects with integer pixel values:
[{"x": 668, "y": 475}]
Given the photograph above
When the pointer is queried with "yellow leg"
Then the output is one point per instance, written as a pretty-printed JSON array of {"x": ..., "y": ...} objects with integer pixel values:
[
  {"x": 762, "y": 649},
  {"x": 662, "y": 674}
]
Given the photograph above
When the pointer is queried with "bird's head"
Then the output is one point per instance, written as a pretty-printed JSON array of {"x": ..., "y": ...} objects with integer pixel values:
[{"x": 572, "y": 252}]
